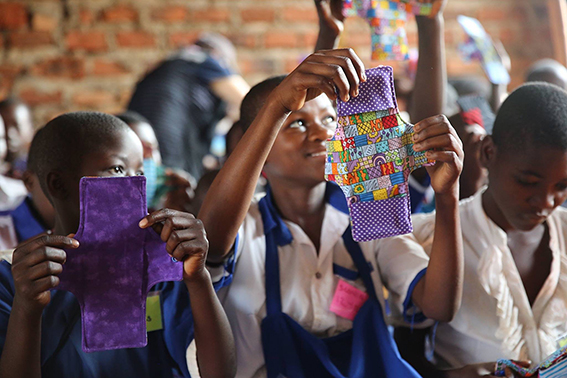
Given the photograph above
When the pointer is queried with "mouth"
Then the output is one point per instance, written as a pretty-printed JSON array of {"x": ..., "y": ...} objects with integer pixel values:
[
  {"x": 317, "y": 154},
  {"x": 537, "y": 217}
]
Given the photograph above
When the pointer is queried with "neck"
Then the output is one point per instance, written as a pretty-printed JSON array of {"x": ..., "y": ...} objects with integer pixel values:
[
  {"x": 493, "y": 211},
  {"x": 63, "y": 228},
  {"x": 296, "y": 203}
]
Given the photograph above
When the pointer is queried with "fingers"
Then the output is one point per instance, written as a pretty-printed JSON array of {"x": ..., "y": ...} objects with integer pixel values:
[
  {"x": 44, "y": 269},
  {"x": 162, "y": 215},
  {"x": 44, "y": 284},
  {"x": 191, "y": 232},
  {"x": 436, "y": 133},
  {"x": 190, "y": 248},
  {"x": 343, "y": 68},
  {"x": 56, "y": 241}
]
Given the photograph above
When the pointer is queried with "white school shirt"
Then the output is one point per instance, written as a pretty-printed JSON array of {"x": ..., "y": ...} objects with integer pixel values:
[
  {"x": 496, "y": 319},
  {"x": 307, "y": 282},
  {"x": 12, "y": 193}
]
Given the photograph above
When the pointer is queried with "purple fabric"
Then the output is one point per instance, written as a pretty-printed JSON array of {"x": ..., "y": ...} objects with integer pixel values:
[
  {"x": 116, "y": 264},
  {"x": 376, "y": 93}
]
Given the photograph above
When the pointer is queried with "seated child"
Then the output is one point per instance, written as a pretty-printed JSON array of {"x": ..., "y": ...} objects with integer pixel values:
[
  {"x": 171, "y": 188},
  {"x": 515, "y": 284},
  {"x": 19, "y": 133},
  {"x": 35, "y": 214},
  {"x": 280, "y": 316},
  {"x": 12, "y": 191},
  {"x": 40, "y": 330}
]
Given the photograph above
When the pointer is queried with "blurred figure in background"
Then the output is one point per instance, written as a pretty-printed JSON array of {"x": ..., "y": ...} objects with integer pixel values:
[
  {"x": 186, "y": 96},
  {"x": 19, "y": 133},
  {"x": 549, "y": 71}
]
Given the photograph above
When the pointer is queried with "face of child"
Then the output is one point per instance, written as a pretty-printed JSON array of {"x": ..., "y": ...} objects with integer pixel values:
[
  {"x": 121, "y": 157},
  {"x": 3, "y": 145},
  {"x": 149, "y": 141},
  {"x": 19, "y": 129},
  {"x": 299, "y": 152},
  {"x": 528, "y": 185}
]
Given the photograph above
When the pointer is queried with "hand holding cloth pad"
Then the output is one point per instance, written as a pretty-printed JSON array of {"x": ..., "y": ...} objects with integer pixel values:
[
  {"x": 116, "y": 264},
  {"x": 371, "y": 157}
]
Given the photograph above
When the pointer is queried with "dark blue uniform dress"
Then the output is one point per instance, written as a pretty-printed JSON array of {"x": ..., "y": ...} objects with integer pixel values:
[
  {"x": 367, "y": 350},
  {"x": 61, "y": 352}
]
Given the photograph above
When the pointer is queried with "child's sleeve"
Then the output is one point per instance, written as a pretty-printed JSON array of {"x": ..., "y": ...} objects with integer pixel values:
[
  {"x": 6, "y": 299},
  {"x": 403, "y": 261},
  {"x": 248, "y": 235}
]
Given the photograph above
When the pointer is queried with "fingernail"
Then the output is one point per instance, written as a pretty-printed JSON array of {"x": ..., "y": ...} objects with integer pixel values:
[
  {"x": 364, "y": 76},
  {"x": 75, "y": 243},
  {"x": 415, "y": 137},
  {"x": 143, "y": 223},
  {"x": 347, "y": 97},
  {"x": 356, "y": 93},
  {"x": 417, "y": 147}
]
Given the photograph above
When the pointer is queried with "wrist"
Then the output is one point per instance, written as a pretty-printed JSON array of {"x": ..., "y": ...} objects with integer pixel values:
[
  {"x": 427, "y": 21},
  {"x": 200, "y": 278},
  {"x": 448, "y": 198},
  {"x": 275, "y": 105},
  {"x": 24, "y": 310}
]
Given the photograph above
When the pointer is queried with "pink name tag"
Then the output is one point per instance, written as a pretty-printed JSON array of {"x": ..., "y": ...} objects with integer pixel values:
[{"x": 347, "y": 300}]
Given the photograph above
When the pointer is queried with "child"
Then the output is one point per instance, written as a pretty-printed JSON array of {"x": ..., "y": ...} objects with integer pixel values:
[
  {"x": 35, "y": 214},
  {"x": 303, "y": 226},
  {"x": 19, "y": 133},
  {"x": 177, "y": 191},
  {"x": 12, "y": 191},
  {"x": 515, "y": 289},
  {"x": 40, "y": 330}
]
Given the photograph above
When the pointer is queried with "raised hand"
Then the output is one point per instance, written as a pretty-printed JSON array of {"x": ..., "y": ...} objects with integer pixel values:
[
  {"x": 185, "y": 238},
  {"x": 325, "y": 71},
  {"x": 438, "y": 138},
  {"x": 36, "y": 266},
  {"x": 331, "y": 16}
]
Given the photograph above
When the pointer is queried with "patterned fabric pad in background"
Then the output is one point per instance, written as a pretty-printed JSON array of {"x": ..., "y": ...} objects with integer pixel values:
[
  {"x": 554, "y": 366},
  {"x": 476, "y": 110},
  {"x": 387, "y": 20},
  {"x": 371, "y": 157}
]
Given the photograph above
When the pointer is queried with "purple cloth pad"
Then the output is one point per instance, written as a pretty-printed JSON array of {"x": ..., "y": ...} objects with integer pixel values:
[
  {"x": 116, "y": 264},
  {"x": 371, "y": 157}
]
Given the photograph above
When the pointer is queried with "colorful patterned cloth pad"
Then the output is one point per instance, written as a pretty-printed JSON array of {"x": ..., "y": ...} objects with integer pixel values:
[
  {"x": 479, "y": 46},
  {"x": 476, "y": 110},
  {"x": 371, "y": 156},
  {"x": 554, "y": 366},
  {"x": 387, "y": 20},
  {"x": 116, "y": 264}
]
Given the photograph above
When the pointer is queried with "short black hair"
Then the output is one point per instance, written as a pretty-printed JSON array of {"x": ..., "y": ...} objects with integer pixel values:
[
  {"x": 131, "y": 117},
  {"x": 255, "y": 100},
  {"x": 534, "y": 114},
  {"x": 9, "y": 101},
  {"x": 64, "y": 141}
]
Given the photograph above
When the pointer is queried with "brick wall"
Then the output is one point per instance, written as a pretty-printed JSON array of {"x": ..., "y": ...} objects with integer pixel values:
[{"x": 61, "y": 55}]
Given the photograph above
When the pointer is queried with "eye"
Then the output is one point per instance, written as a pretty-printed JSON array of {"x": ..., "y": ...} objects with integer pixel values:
[
  {"x": 526, "y": 182},
  {"x": 298, "y": 124},
  {"x": 561, "y": 187},
  {"x": 117, "y": 170},
  {"x": 330, "y": 120},
  {"x": 140, "y": 173}
]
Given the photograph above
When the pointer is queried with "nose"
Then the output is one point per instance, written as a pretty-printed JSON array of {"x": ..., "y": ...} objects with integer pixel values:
[
  {"x": 545, "y": 201},
  {"x": 318, "y": 132}
]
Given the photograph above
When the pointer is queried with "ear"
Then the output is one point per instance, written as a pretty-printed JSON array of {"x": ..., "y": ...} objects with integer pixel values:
[
  {"x": 488, "y": 151},
  {"x": 28, "y": 179},
  {"x": 56, "y": 186}
]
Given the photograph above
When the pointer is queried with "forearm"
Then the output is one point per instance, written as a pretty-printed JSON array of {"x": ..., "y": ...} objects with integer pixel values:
[
  {"x": 22, "y": 350},
  {"x": 439, "y": 293},
  {"x": 327, "y": 39},
  {"x": 498, "y": 93},
  {"x": 428, "y": 96},
  {"x": 213, "y": 337},
  {"x": 229, "y": 197}
]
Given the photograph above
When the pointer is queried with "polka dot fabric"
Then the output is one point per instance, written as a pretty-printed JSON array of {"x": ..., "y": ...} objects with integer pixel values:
[{"x": 370, "y": 156}]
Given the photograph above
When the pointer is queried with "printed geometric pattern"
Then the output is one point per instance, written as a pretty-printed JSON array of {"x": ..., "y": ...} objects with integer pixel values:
[
  {"x": 387, "y": 20},
  {"x": 373, "y": 164},
  {"x": 554, "y": 366}
]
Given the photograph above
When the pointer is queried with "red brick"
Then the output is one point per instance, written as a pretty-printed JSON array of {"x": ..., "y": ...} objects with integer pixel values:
[
  {"x": 30, "y": 39},
  {"x": 182, "y": 38},
  {"x": 280, "y": 39},
  {"x": 257, "y": 14},
  {"x": 173, "y": 13},
  {"x": 93, "y": 98},
  {"x": 86, "y": 17},
  {"x": 119, "y": 13},
  {"x": 135, "y": 39},
  {"x": 108, "y": 68},
  {"x": 243, "y": 40},
  {"x": 62, "y": 67},
  {"x": 308, "y": 39},
  {"x": 88, "y": 41},
  {"x": 300, "y": 14},
  {"x": 211, "y": 15},
  {"x": 42, "y": 22},
  {"x": 34, "y": 97},
  {"x": 13, "y": 16}
]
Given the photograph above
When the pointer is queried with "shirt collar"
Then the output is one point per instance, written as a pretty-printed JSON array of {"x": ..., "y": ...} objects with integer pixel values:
[{"x": 273, "y": 221}]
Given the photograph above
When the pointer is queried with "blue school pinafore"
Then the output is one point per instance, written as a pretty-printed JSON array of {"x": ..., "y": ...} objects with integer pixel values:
[{"x": 367, "y": 350}]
